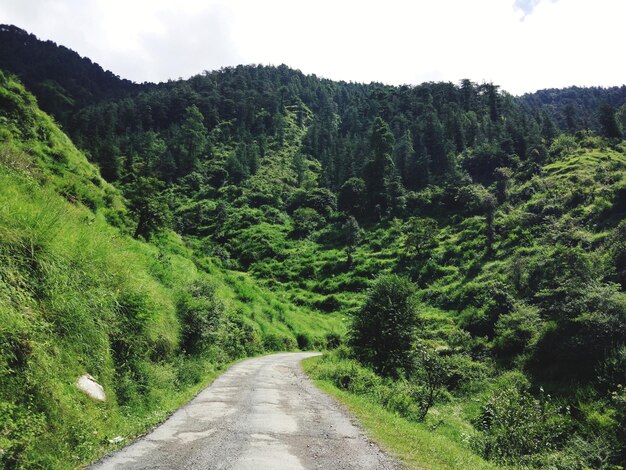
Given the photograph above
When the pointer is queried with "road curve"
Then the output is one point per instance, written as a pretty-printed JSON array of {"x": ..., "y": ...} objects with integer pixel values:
[{"x": 262, "y": 413}]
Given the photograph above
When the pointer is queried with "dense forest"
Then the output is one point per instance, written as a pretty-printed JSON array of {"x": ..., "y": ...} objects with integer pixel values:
[{"x": 475, "y": 242}]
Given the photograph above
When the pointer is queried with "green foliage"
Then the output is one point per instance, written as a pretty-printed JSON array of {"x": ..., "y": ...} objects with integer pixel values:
[
  {"x": 420, "y": 236},
  {"x": 506, "y": 212},
  {"x": 394, "y": 406},
  {"x": 608, "y": 122},
  {"x": 19, "y": 428},
  {"x": 517, "y": 331},
  {"x": 201, "y": 317},
  {"x": 190, "y": 140},
  {"x": 148, "y": 206},
  {"x": 152, "y": 322},
  {"x": 352, "y": 237},
  {"x": 383, "y": 329},
  {"x": 430, "y": 374},
  {"x": 619, "y": 402},
  {"x": 351, "y": 197},
  {"x": 306, "y": 221},
  {"x": 515, "y": 425}
]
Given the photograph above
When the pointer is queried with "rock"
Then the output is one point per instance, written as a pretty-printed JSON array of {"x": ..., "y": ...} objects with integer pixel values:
[
  {"x": 116, "y": 440},
  {"x": 88, "y": 384}
]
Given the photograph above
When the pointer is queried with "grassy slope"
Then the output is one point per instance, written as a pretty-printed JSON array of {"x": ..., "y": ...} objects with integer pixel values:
[
  {"x": 78, "y": 296},
  {"x": 583, "y": 184},
  {"x": 415, "y": 444}
]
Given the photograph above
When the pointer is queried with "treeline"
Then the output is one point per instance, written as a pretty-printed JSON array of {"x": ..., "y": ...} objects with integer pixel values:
[
  {"x": 62, "y": 80},
  {"x": 243, "y": 106},
  {"x": 575, "y": 108}
]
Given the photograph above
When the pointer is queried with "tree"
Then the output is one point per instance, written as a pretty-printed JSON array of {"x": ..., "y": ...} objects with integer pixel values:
[
  {"x": 404, "y": 155},
  {"x": 148, "y": 205},
  {"x": 152, "y": 149},
  {"x": 621, "y": 117},
  {"x": 431, "y": 375},
  {"x": 548, "y": 128},
  {"x": 191, "y": 140},
  {"x": 353, "y": 237},
  {"x": 489, "y": 205},
  {"x": 305, "y": 221},
  {"x": 434, "y": 140},
  {"x": 201, "y": 313},
  {"x": 378, "y": 172},
  {"x": 381, "y": 139},
  {"x": 420, "y": 236},
  {"x": 503, "y": 177},
  {"x": 351, "y": 196},
  {"x": 608, "y": 122},
  {"x": 383, "y": 330}
]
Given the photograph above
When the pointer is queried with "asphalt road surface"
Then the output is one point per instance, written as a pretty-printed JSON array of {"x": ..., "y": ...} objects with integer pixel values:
[{"x": 262, "y": 413}]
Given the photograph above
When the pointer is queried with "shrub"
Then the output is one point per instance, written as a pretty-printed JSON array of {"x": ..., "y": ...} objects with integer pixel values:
[
  {"x": 328, "y": 304},
  {"x": 306, "y": 221},
  {"x": 19, "y": 428},
  {"x": 239, "y": 339},
  {"x": 333, "y": 340},
  {"x": 201, "y": 315},
  {"x": 304, "y": 341},
  {"x": 384, "y": 328},
  {"x": 619, "y": 402},
  {"x": 515, "y": 331},
  {"x": 514, "y": 425},
  {"x": 277, "y": 342},
  {"x": 431, "y": 374}
]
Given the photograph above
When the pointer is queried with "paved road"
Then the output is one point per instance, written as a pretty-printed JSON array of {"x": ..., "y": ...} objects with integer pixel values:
[{"x": 262, "y": 413}]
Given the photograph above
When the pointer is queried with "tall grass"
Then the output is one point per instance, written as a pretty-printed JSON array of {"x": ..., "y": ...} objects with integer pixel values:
[{"x": 78, "y": 295}]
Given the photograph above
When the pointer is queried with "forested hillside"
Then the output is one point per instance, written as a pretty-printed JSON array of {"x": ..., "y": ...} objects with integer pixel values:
[
  {"x": 475, "y": 240},
  {"x": 151, "y": 322}
]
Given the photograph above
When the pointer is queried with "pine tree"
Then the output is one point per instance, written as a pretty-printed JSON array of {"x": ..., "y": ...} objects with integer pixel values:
[
  {"x": 192, "y": 140},
  {"x": 610, "y": 127},
  {"x": 379, "y": 170}
]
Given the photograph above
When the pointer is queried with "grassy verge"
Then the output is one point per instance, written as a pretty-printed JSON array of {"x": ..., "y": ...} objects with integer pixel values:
[
  {"x": 136, "y": 429},
  {"x": 412, "y": 443}
]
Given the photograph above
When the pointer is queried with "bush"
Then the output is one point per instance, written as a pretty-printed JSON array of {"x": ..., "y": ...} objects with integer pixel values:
[
  {"x": 431, "y": 374},
  {"x": 383, "y": 330},
  {"x": 238, "y": 339},
  {"x": 333, "y": 340},
  {"x": 348, "y": 374},
  {"x": 328, "y": 304},
  {"x": 19, "y": 428},
  {"x": 276, "y": 342},
  {"x": 515, "y": 425},
  {"x": 201, "y": 316},
  {"x": 515, "y": 331},
  {"x": 304, "y": 341},
  {"x": 306, "y": 221}
]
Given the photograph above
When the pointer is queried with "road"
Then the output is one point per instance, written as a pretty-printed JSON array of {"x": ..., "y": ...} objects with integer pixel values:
[{"x": 262, "y": 413}]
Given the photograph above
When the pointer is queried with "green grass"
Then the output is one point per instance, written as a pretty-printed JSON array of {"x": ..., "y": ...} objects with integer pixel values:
[
  {"x": 412, "y": 443},
  {"x": 79, "y": 295}
]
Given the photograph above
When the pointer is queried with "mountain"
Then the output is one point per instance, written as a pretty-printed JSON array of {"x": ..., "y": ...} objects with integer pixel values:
[
  {"x": 496, "y": 223},
  {"x": 62, "y": 80},
  {"x": 574, "y": 108}
]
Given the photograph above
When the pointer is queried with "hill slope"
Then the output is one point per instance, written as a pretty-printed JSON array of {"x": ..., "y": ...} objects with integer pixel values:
[
  {"x": 510, "y": 231},
  {"x": 150, "y": 322}
]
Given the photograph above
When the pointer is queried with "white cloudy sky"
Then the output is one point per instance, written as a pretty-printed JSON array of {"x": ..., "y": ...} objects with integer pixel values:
[{"x": 522, "y": 45}]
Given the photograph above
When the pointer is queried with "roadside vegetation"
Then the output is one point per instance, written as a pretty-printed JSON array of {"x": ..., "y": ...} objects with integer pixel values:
[
  {"x": 151, "y": 322},
  {"x": 462, "y": 252}
]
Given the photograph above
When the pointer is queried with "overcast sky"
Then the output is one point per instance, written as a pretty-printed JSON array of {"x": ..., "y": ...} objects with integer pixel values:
[{"x": 522, "y": 45}]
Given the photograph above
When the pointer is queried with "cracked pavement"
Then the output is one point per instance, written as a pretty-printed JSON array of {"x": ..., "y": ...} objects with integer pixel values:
[{"x": 262, "y": 413}]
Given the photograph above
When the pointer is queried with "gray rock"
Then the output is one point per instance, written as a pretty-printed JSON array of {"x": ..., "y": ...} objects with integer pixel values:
[{"x": 88, "y": 384}]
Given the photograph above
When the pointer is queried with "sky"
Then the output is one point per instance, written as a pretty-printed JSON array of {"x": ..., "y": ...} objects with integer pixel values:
[{"x": 521, "y": 45}]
